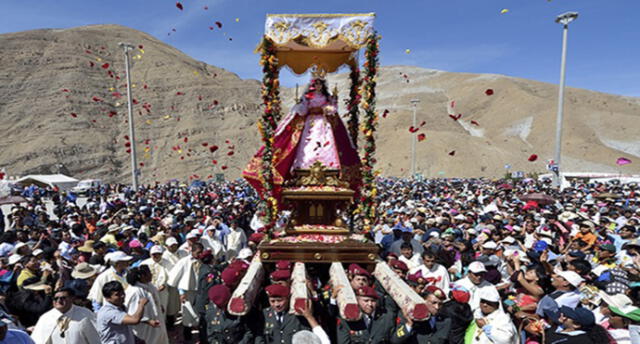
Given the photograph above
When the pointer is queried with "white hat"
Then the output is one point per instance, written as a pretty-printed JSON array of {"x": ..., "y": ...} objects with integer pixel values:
[
  {"x": 573, "y": 278},
  {"x": 508, "y": 240},
  {"x": 477, "y": 267},
  {"x": 14, "y": 258},
  {"x": 490, "y": 245},
  {"x": 117, "y": 256},
  {"x": 171, "y": 241},
  {"x": 18, "y": 246},
  {"x": 127, "y": 228},
  {"x": 192, "y": 235},
  {"x": 156, "y": 249},
  {"x": 83, "y": 271},
  {"x": 489, "y": 294},
  {"x": 617, "y": 301},
  {"x": 37, "y": 252},
  {"x": 460, "y": 217},
  {"x": 113, "y": 228},
  {"x": 434, "y": 234},
  {"x": 245, "y": 253}
]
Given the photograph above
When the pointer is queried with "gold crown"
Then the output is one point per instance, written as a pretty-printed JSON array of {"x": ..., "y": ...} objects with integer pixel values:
[{"x": 318, "y": 72}]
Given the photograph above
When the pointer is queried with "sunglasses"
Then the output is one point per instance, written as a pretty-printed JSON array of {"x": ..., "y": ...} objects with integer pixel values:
[{"x": 60, "y": 298}]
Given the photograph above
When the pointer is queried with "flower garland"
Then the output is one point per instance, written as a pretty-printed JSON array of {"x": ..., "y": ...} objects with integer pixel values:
[
  {"x": 367, "y": 206},
  {"x": 268, "y": 123},
  {"x": 352, "y": 106}
]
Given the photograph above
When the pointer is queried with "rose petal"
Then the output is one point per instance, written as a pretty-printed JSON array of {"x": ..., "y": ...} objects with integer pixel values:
[
  {"x": 488, "y": 92},
  {"x": 452, "y": 153},
  {"x": 421, "y": 137},
  {"x": 105, "y": 66},
  {"x": 213, "y": 148},
  {"x": 179, "y": 6},
  {"x": 204, "y": 144},
  {"x": 219, "y": 25},
  {"x": 533, "y": 157}
]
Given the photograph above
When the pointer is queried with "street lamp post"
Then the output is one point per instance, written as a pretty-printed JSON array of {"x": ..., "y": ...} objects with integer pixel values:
[
  {"x": 134, "y": 165},
  {"x": 414, "y": 102},
  {"x": 563, "y": 19}
]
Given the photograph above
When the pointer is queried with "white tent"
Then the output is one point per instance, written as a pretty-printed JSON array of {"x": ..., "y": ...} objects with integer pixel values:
[{"x": 63, "y": 182}]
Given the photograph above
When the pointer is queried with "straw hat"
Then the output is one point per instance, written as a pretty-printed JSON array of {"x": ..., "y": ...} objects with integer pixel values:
[
  {"x": 83, "y": 271},
  {"x": 87, "y": 246}
]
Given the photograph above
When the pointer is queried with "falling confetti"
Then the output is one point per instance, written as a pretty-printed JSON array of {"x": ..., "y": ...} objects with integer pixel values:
[
  {"x": 623, "y": 161},
  {"x": 455, "y": 117},
  {"x": 413, "y": 130},
  {"x": 213, "y": 148},
  {"x": 488, "y": 92},
  {"x": 385, "y": 113},
  {"x": 475, "y": 123},
  {"x": 533, "y": 157},
  {"x": 421, "y": 137},
  {"x": 452, "y": 153},
  {"x": 105, "y": 66},
  {"x": 74, "y": 115},
  {"x": 237, "y": 20},
  {"x": 408, "y": 51},
  {"x": 504, "y": 11},
  {"x": 219, "y": 25},
  {"x": 179, "y": 6}
]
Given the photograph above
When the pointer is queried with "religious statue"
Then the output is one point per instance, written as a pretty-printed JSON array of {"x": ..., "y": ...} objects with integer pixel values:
[{"x": 311, "y": 133}]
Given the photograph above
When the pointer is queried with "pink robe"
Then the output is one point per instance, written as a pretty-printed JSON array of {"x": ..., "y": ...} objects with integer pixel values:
[{"x": 311, "y": 132}]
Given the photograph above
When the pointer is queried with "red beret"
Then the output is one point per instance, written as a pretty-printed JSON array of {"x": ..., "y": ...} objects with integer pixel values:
[
  {"x": 417, "y": 277},
  {"x": 281, "y": 275},
  {"x": 230, "y": 276},
  {"x": 392, "y": 255},
  {"x": 239, "y": 265},
  {"x": 460, "y": 294},
  {"x": 436, "y": 291},
  {"x": 356, "y": 269},
  {"x": 205, "y": 254},
  {"x": 283, "y": 265},
  {"x": 220, "y": 295},
  {"x": 277, "y": 290},
  {"x": 367, "y": 291},
  {"x": 400, "y": 265},
  {"x": 256, "y": 237}
]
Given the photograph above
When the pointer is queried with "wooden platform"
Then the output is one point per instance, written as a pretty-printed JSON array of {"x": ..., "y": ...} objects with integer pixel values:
[{"x": 348, "y": 251}]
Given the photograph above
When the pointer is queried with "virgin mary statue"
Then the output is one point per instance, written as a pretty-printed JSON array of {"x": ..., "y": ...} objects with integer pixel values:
[{"x": 311, "y": 132}]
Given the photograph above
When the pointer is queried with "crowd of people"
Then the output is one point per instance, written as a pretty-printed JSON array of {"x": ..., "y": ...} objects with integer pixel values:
[{"x": 159, "y": 264}]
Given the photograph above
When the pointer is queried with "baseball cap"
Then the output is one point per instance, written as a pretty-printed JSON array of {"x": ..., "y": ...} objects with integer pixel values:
[
  {"x": 581, "y": 315},
  {"x": 573, "y": 278},
  {"x": 477, "y": 267}
]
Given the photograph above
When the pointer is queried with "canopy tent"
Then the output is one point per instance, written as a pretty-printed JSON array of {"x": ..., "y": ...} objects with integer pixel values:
[
  {"x": 327, "y": 41},
  {"x": 60, "y": 180}
]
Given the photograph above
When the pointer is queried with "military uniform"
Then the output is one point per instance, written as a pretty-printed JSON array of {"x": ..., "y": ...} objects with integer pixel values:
[
  {"x": 207, "y": 278},
  {"x": 274, "y": 331},
  {"x": 432, "y": 331},
  {"x": 386, "y": 302},
  {"x": 224, "y": 328},
  {"x": 382, "y": 329}
]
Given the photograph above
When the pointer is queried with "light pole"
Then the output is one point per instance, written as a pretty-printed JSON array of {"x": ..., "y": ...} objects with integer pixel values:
[
  {"x": 134, "y": 165},
  {"x": 563, "y": 19},
  {"x": 414, "y": 102}
]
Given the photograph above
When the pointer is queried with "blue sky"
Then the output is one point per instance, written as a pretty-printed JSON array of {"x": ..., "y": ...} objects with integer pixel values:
[{"x": 452, "y": 35}]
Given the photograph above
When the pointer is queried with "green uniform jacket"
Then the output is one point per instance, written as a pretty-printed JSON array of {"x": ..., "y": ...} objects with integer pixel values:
[
  {"x": 425, "y": 332},
  {"x": 273, "y": 332},
  {"x": 382, "y": 330},
  {"x": 224, "y": 328}
]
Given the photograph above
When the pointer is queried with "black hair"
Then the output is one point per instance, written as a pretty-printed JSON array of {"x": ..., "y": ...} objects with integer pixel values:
[
  {"x": 582, "y": 266},
  {"x": 98, "y": 245},
  {"x": 629, "y": 228},
  {"x": 67, "y": 290},
  {"x": 429, "y": 254},
  {"x": 133, "y": 276},
  {"x": 112, "y": 287},
  {"x": 406, "y": 245},
  {"x": 196, "y": 245},
  {"x": 325, "y": 88}
]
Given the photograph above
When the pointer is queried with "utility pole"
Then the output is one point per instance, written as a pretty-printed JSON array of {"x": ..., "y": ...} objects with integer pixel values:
[
  {"x": 414, "y": 102},
  {"x": 134, "y": 164},
  {"x": 563, "y": 19}
]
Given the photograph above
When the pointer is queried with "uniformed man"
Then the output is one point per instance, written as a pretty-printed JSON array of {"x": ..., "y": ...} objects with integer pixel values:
[
  {"x": 277, "y": 326},
  {"x": 374, "y": 326},
  {"x": 433, "y": 330},
  {"x": 222, "y": 327},
  {"x": 207, "y": 278},
  {"x": 281, "y": 277}
]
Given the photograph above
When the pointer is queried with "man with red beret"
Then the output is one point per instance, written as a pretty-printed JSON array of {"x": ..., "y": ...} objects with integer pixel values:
[
  {"x": 277, "y": 324},
  {"x": 281, "y": 277},
  {"x": 221, "y": 326},
  {"x": 375, "y": 326},
  {"x": 358, "y": 276},
  {"x": 231, "y": 277},
  {"x": 434, "y": 329},
  {"x": 207, "y": 277},
  {"x": 399, "y": 267}
]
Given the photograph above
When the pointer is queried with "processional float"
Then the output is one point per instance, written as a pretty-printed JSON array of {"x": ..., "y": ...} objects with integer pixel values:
[{"x": 328, "y": 208}]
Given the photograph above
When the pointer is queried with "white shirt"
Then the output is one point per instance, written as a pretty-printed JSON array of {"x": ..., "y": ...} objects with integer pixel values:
[
  {"x": 413, "y": 262},
  {"x": 236, "y": 240},
  {"x": 95, "y": 293},
  {"x": 502, "y": 330},
  {"x": 80, "y": 329},
  {"x": 438, "y": 272}
]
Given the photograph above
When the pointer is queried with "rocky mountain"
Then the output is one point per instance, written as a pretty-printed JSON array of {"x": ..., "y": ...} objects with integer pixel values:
[{"x": 63, "y": 108}]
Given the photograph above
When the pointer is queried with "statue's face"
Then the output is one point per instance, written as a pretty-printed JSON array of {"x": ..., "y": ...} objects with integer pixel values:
[{"x": 318, "y": 85}]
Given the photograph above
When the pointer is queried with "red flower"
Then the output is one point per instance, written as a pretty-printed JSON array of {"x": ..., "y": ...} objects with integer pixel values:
[
  {"x": 533, "y": 157},
  {"x": 488, "y": 92}
]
